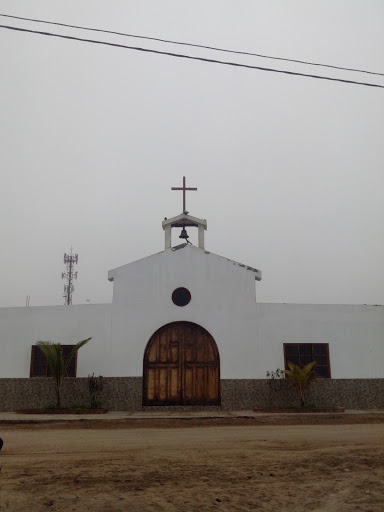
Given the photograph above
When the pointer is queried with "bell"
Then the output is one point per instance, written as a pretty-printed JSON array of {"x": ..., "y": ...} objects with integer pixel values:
[{"x": 184, "y": 234}]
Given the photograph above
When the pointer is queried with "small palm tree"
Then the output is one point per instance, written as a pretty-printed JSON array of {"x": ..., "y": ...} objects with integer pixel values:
[
  {"x": 57, "y": 365},
  {"x": 302, "y": 377}
]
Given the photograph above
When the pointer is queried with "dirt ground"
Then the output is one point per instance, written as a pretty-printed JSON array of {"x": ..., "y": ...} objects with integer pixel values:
[{"x": 158, "y": 465}]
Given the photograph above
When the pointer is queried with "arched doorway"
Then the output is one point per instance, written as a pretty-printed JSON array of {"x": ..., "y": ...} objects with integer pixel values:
[{"x": 181, "y": 367}]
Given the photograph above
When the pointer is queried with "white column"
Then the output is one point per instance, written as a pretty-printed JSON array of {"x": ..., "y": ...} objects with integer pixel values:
[
  {"x": 201, "y": 236},
  {"x": 168, "y": 236}
]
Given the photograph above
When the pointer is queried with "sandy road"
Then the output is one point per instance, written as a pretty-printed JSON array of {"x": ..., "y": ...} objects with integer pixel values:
[{"x": 231, "y": 468}]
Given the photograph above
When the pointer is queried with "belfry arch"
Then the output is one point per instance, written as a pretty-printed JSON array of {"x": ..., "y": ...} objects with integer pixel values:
[{"x": 181, "y": 367}]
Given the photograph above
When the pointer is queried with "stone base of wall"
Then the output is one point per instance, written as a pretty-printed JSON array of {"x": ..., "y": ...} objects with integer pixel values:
[
  {"x": 349, "y": 393},
  {"x": 125, "y": 394},
  {"x": 119, "y": 393}
]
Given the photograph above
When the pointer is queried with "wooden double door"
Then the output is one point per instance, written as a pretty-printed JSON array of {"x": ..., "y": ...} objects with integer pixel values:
[{"x": 181, "y": 367}]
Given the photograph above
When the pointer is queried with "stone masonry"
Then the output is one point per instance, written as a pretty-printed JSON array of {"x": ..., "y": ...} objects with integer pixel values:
[{"x": 125, "y": 393}]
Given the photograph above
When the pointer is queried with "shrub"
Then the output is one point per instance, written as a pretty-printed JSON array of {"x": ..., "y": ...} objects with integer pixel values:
[{"x": 95, "y": 386}]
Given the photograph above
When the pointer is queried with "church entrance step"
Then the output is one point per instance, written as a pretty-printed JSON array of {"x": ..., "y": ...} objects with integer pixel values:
[{"x": 180, "y": 408}]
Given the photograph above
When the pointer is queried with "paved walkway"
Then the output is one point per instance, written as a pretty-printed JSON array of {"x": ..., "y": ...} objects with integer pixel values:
[
  {"x": 122, "y": 415},
  {"x": 12, "y": 417}
]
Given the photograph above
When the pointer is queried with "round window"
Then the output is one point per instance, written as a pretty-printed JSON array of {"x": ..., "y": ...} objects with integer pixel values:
[{"x": 181, "y": 297}]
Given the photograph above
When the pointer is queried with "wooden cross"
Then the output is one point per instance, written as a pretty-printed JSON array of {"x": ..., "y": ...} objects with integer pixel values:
[{"x": 183, "y": 188}]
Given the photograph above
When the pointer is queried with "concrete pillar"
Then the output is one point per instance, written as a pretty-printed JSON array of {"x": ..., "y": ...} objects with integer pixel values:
[
  {"x": 168, "y": 237},
  {"x": 201, "y": 236}
]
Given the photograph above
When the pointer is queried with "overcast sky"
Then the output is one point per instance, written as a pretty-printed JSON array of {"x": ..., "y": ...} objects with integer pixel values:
[{"x": 290, "y": 170}]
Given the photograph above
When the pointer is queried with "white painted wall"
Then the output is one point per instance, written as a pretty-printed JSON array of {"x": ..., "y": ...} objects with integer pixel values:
[
  {"x": 20, "y": 328},
  {"x": 223, "y": 302},
  {"x": 250, "y": 337},
  {"x": 355, "y": 335}
]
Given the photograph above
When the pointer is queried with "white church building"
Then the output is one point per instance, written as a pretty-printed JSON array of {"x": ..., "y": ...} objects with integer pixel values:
[{"x": 184, "y": 329}]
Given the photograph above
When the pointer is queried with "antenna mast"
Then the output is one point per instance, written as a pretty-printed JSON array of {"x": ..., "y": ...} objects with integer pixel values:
[{"x": 70, "y": 260}]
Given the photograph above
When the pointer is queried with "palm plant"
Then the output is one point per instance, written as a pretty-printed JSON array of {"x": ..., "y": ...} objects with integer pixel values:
[
  {"x": 58, "y": 366},
  {"x": 302, "y": 377}
]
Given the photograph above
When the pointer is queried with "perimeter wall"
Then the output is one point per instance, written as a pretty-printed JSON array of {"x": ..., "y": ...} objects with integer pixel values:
[{"x": 125, "y": 393}]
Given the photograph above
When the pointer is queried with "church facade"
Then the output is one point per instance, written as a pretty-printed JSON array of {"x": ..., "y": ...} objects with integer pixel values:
[{"x": 185, "y": 324}]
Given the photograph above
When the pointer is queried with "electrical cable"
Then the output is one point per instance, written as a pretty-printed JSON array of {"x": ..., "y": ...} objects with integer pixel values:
[
  {"x": 192, "y": 45},
  {"x": 190, "y": 57}
]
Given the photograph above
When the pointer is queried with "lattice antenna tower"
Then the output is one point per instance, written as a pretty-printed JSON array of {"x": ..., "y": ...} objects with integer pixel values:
[{"x": 69, "y": 275}]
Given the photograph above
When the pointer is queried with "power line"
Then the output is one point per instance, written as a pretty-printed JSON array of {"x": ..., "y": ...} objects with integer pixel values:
[
  {"x": 190, "y": 57},
  {"x": 192, "y": 45}
]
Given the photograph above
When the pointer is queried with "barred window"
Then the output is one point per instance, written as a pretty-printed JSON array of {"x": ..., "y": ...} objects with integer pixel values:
[
  {"x": 39, "y": 364},
  {"x": 304, "y": 353}
]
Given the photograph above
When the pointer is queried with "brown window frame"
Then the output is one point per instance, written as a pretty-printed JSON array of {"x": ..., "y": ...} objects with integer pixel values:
[
  {"x": 72, "y": 367},
  {"x": 313, "y": 357}
]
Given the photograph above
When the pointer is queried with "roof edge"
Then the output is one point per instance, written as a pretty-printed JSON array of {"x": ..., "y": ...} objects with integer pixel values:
[{"x": 257, "y": 272}]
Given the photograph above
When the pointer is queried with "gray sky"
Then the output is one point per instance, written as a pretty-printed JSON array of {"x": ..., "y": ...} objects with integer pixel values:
[{"x": 289, "y": 170}]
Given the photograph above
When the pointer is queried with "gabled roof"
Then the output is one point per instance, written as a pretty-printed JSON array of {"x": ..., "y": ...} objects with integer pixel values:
[
  {"x": 184, "y": 220},
  {"x": 257, "y": 273}
]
